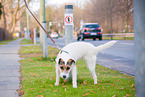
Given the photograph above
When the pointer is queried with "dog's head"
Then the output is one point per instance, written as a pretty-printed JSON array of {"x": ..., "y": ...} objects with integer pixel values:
[{"x": 65, "y": 67}]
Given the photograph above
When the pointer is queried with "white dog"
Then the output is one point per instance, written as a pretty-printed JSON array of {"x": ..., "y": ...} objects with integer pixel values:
[{"x": 67, "y": 57}]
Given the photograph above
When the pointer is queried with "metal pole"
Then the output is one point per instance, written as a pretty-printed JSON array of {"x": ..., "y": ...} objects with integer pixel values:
[
  {"x": 28, "y": 35},
  {"x": 68, "y": 19},
  {"x": 45, "y": 52},
  {"x": 139, "y": 28},
  {"x": 42, "y": 18},
  {"x": 34, "y": 36}
]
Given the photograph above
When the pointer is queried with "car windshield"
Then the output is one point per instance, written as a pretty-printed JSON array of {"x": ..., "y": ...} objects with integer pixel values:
[{"x": 92, "y": 26}]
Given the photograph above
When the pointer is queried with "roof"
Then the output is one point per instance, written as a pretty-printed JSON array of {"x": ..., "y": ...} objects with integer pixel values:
[{"x": 89, "y": 23}]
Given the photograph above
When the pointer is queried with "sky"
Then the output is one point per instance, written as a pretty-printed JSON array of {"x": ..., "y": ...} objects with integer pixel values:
[{"x": 35, "y": 5}]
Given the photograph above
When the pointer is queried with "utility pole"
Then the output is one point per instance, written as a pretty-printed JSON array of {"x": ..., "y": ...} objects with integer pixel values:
[
  {"x": 68, "y": 20},
  {"x": 43, "y": 36},
  {"x": 139, "y": 28}
]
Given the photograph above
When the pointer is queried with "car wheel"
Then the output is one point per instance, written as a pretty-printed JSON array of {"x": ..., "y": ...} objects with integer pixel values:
[
  {"x": 94, "y": 39},
  {"x": 78, "y": 39},
  {"x": 100, "y": 38},
  {"x": 82, "y": 38}
]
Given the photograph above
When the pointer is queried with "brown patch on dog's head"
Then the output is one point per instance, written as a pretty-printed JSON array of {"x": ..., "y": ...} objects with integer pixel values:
[
  {"x": 68, "y": 65},
  {"x": 61, "y": 64},
  {"x": 70, "y": 62}
]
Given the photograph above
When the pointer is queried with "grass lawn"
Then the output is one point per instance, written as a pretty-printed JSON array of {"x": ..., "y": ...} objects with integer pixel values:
[
  {"x": 25, "y": 41},
  {"x": 4, "y": 42},
  {"x": 38, "y": 78},
  {"x": 118, "y": 38}
]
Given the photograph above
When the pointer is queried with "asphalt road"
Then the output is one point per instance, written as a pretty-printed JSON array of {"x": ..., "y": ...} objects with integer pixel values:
[{"x": 119, "y": 57}]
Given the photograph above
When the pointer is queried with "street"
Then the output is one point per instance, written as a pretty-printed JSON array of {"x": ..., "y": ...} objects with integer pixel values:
[{"x": 119, "y": 57}]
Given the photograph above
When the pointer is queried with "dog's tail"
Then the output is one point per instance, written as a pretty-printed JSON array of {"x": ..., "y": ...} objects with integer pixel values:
[{"x": 106, "y": 45}]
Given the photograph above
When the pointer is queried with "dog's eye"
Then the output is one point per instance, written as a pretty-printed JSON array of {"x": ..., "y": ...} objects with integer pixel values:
[
  {"x": 67, "y": 68},
  {"x": 61, "y": 68}
]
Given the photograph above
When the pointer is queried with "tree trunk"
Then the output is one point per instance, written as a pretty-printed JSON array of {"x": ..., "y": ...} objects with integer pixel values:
[
  {"x": 5, "y": 25},
  {"x": 127, "y": 17}
]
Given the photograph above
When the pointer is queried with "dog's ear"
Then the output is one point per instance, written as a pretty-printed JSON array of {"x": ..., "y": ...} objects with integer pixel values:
[
  {"x": 60, "y": 62},
  {"x": 70, "y": 62}
]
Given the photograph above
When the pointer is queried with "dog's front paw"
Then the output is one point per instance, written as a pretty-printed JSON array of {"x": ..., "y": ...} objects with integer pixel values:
[
  {"x": 56, "y": 84},
  {"x": 95, "y": 82},
  {"x": 74, "y": 86}
]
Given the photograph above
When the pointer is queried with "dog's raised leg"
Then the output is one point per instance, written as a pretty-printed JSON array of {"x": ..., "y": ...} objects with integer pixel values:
[
  {"x": 74, "y": 76},
  {"x": 57, "y": 75},
  {"x": 91, "y": 62}
]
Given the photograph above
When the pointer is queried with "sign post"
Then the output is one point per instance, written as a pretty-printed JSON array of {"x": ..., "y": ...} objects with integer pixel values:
[
  {"x": 139, "y": 28},
  {"x": 68, "y": 21}
]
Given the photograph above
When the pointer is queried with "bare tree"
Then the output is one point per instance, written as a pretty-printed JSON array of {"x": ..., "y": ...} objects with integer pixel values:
[
  {"x": 112, "y": 15},
  {"x": 14, "y": 10}
]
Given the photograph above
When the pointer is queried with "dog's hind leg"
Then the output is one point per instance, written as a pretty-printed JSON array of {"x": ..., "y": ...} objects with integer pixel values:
[
  {"x": 91, "y": 63},
  {"x": 57, "y": 75}
]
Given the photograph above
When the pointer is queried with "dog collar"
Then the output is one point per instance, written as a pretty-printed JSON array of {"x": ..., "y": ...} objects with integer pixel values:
[{"x": 63, "y": 51}]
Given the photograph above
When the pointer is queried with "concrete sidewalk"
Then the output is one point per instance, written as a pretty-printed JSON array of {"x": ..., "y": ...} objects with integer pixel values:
[{"x": 9, "y": 69}]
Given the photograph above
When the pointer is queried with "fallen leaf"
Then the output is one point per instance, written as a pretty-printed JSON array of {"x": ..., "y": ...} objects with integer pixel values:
[
  {"x": 54, "y": 90},
  {"x": 118, "y": 80},
  {"x": 103, "y": 88},
  {"x": 64, "y": 81},
  {"x": 39, "y": 96},
  {"x": 92, "y": 91},
  {"x": 21, "y": 87},
  {"x": 132, "y": 85},
  {"x": 21, "y": 92},
  {"x": 52, "y": 59},
  {"x": 121, "y": 88},
  {"x": 64, "y": 86},
  {"x": 114, "y": 96},
  {"x": 53, "y": 77},
  {"x": 51, "y": 85},
  {"x": 35, "y": 75},
  {"x": 86, "y": 94},
  {"x": 112, "y": 85},
  {"x": 84, "y": 83}
]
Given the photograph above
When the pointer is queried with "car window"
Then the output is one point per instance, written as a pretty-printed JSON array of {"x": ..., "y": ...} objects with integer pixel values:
[{"x": 92, "y": 26}]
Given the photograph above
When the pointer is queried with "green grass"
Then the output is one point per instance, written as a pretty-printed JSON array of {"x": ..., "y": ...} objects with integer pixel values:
[
  {"x": 25, "y": 41},
  {"x": 38, "y": 78},
  {"x": 4, "y": 42},
  {"x": 118, "y": 38}
]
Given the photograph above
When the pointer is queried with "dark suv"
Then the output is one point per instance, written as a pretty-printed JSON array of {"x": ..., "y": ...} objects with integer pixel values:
[{"x": 90, "y": 30}]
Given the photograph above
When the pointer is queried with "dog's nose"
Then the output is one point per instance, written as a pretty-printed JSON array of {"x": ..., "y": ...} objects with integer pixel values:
[{"x": 64, "y": 76}]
